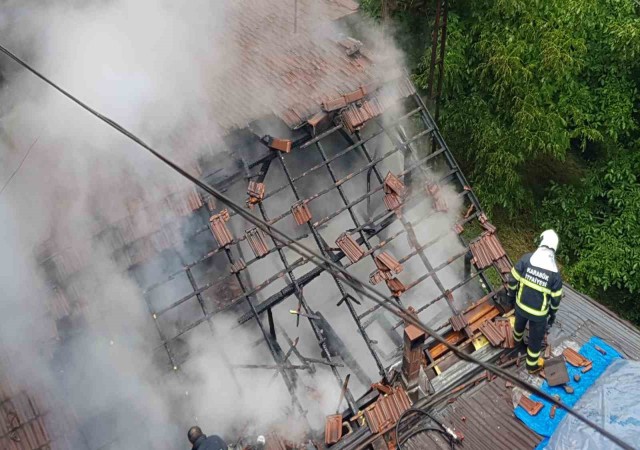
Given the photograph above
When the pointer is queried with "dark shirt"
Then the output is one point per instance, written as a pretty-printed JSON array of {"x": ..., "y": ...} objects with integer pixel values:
[{"x": 209, "y": 443}]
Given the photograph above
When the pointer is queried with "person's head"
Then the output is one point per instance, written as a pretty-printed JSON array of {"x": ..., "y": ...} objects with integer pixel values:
[
  {"x": 549, "y": 239},
  {"x": 194, "y": 433}
]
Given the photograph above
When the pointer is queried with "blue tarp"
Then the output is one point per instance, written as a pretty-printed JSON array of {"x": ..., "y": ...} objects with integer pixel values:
[
  {"x": 541, "y": 423},
  {"x": 613, "y": 402}
]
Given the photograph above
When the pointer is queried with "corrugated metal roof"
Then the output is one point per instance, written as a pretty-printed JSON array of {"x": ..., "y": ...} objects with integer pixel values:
[
  {"x": 488, "y": 422},
  {"x": 488, "y": 411},
  {"x": 580, "y": 317}
]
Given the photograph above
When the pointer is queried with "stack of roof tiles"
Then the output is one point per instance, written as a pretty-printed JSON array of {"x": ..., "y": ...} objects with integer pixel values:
[
  {"x": 219, "y": 228},
  {"x": 256, "y": 240},
  {"x": 498, "y": 332},
  {"x": 388, "y": 266},
  {"x": 350, "y": 247},
  {"x": 487, "y": 251},
  {"x": 385, "y": 412}
]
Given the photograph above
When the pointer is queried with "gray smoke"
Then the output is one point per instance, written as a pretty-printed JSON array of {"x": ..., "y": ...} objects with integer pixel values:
[{"x": 162, "y": 69}]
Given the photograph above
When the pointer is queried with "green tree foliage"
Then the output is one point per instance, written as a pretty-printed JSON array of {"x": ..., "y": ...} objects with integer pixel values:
[
  {"x": 526, "y": 80},
  {"x": 599, "y": 221}
]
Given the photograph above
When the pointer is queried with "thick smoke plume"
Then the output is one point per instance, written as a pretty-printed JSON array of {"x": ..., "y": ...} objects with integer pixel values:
[{"x": 163, "y": 70}]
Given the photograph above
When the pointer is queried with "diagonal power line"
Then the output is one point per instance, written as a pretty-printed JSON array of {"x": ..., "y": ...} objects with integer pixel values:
[
  {"x": 359, "y": 286},
  {"x": 17, "y": 169}
]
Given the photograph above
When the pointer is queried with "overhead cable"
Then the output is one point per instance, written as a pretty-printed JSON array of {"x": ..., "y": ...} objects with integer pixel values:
[{"x": 359, "y": 286}]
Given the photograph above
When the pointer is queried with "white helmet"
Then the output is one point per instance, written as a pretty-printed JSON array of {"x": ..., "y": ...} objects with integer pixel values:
[{"x": 549, "y": 239}]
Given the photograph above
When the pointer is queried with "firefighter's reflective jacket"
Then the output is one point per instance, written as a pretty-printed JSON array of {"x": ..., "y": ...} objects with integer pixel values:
[{"x": 538, "y": 290}]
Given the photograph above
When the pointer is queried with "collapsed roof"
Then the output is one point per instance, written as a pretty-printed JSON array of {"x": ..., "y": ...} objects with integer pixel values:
[{"x": 352, "y": 164}]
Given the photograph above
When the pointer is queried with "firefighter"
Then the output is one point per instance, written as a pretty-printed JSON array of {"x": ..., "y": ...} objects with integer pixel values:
[
  {"x": 535, "y": 288},
  {"x": 200, "y": 441}
]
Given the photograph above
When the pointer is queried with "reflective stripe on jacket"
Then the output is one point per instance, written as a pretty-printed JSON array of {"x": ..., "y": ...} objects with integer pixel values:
[{"x": 537, "y": 289}]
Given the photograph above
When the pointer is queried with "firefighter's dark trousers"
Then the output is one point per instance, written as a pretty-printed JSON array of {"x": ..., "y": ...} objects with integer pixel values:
[{"x": 536, "y": 336}]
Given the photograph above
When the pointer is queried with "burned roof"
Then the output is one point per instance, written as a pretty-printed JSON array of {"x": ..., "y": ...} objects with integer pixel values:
[
  {"x": 360, "y": 172},
  {"x": 337, "y": 174}
]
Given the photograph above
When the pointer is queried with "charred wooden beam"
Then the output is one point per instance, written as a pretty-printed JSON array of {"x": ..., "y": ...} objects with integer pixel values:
[
  {"x": 337, "y": 347},
  {"x": 275, "y": 350},
  {"x": 323, "y": 249},
  {"x": 304, "y": 305}
]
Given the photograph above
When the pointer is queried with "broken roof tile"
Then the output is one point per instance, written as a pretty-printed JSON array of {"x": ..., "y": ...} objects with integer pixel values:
[
  {"x": 385, "y": 412},
  {"x": 379, "y": 276},
  {"x": 211, "y": 203},
  {"x": 486, "y": 250},
  {"x": 238, "y": 265},
  {"x": 492, "y": 333},
  {"x": 354, "y": 96},
  {"x": 392, "y": 201},
  {"x": 530, "y": 406},
  {"x": 413, "y": 333},
  {"x": 255, "y": 190},
  {"x": 458, "y": 322},
  {"x": 396, "y": 287},
  {"x": 219, "y": 228},
  {"x": 392, "y": 184},
  {"x": 351, "y": 45},
  {"x": 574, "y": 358},
  {"x": 332, "y": 429},
  {"x": 507, "y": 332},
  {"x": 255, "y": 238},
  {"x": 438, "y": 202},
  {"x": 301, "y": 212},
  {"x": 194, "y": 200},
  {"x": 350, "y": 247},
  {"x": 355, "y": 115},
  {"x": 334, "y": 104},
  {"x": 387, "y": 263},
  {"x": 283, "y": 145},
  {"x": 318, "y": 119}
]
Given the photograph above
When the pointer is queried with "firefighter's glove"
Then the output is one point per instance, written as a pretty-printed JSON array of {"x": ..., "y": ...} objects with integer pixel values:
[
  {"x": 551, "y": 320},
  {"x": 511, "y": 298}
]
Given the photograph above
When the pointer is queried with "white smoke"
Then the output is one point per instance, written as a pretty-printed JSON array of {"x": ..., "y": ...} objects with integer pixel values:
[{"x": 163, "y": 69}]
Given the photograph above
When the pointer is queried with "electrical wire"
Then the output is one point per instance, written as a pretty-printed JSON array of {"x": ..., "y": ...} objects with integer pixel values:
[
  {"x": 359, "y": 286},
  {"x": 417, "y": 431},
  {"x": 441, "y": 429},
  {"x": 26, "y": 155}
]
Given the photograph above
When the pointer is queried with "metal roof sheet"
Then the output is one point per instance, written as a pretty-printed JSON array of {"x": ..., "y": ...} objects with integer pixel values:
[
  {"x": 488, "y": 411},
  {"x": 485, "y": 417}
]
